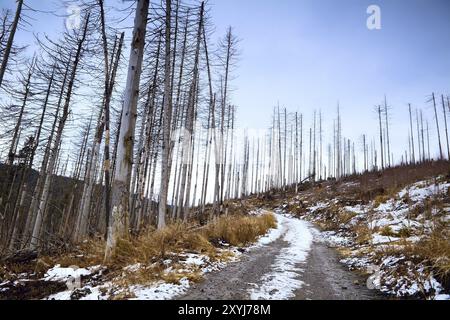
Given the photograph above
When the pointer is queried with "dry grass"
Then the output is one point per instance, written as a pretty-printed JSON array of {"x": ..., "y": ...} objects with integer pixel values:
[
  {"x": 335, "y": 217},
  {"x": 380, "y": 199},
  {"x": 239, "y": 230},
  {"x": 362, "y": 232},
  {"x": 387, "y": 232},
  {"x": 436, "y": 249},
  {"x": 153, "y": 246}
]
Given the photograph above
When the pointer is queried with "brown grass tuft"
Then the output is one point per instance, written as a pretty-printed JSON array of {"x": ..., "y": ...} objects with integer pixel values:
[
  {"x": 436, "y": 248},
  {"x": 239, "y": 230}
]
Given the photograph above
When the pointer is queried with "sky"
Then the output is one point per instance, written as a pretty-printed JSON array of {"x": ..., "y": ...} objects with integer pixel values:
[{"x": 309, "y": 55}]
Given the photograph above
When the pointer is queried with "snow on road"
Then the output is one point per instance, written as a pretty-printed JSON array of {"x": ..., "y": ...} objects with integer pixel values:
[
  {"x": 283, "y": 279},
  {"x": 276, "y": 276}
]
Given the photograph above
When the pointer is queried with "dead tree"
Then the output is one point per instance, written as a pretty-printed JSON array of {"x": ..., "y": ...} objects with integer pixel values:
[
  {"x": 446, "y": 129},
  {"x": 381, "y": 138},
  {"x": 441, "y": 154},
  {"x": 35, "y": 239},
  {"x": 387, "y": 131},
  {"x": 413, "y": 157},
  {"x": 120, "y": 193},
  {"x": 10, "y": 41}
]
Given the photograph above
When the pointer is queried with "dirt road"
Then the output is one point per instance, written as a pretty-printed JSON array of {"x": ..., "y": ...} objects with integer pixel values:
[{"x": 292, "y": 264}]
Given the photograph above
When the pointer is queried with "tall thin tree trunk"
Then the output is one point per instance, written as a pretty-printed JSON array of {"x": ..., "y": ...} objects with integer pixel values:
[
  {"x": 9, "y": 44},
  {"x": 381, "y": 138},
  {"x": 117, "y": 226},
  {"x": 446, "y": 129},
  {"x": 387, "y": 131},
  {"x": 413, "y": 157},
  {"x": 167, "y": 117},
  {"x": 441, "y": 154}
]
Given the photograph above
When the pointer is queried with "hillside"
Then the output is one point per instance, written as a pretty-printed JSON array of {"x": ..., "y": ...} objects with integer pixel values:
[{"x": 369, "y": 233}]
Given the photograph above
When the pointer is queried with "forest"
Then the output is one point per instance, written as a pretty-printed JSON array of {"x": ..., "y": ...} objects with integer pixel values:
[{"x": 124, "y": 173}]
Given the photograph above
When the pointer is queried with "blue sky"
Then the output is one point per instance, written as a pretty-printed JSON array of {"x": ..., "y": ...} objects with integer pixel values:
[{"x": 310, "y": 54}]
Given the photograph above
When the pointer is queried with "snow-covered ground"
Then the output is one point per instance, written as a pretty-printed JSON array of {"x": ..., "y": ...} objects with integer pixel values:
[
  {"x": 160, "y": 290},
  {"x": 282, "y": 281},
  {"x": 391, "y": 226}
]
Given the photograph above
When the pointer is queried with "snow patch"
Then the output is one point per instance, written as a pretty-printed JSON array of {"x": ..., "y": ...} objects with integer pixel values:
[
  {"x": 282, "y": 282},
  {"x": 271, "y": 236},
  {"x": 160, "y": 291},
  {"x": 57, "y": 273}
]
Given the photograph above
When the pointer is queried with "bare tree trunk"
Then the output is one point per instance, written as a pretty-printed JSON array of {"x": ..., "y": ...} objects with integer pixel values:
[
  {"x": 446, "y": 129},
  {"x": 413, "y": 157},
  {"x": 320, "y": 145},
  {"x": 314, "y": 148},
  {"x": 9, "y": 44},
  {"x": 231, "y": 117},
  {"x": 280, "y": 163},
  {"x": 15, "y": 139},
  {"x": 387, "y": 131},
  {"x": 296, "y": 176},
  {"x": 191, "y": 113},
  {"x": 428, "y": 142},
  {"x": 381, "y": 138},
  {"x": 206, "y": 162},
  {"x": 149, "y": 115},
  {"x": 423, "y": 139},
  {"x": 421, "y": 152},
  {"x": 441, "y": 154},
  {"x": 301, "y": 146},
  {"x": 117, "y": 226},
  {"x": 167, "y": 117}
]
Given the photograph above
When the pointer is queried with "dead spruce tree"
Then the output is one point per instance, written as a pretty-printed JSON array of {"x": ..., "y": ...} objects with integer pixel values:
[
  {"x": 9, "y": 33},
  {"x": 109, "y": 72},
  {"x": 120, "y": 194},
  {"x": 445, "y": 123},
  {"x": 81, "y": 37},
  {"x": 167, "y": 118},
  {"x": 441, "y": 153}
]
